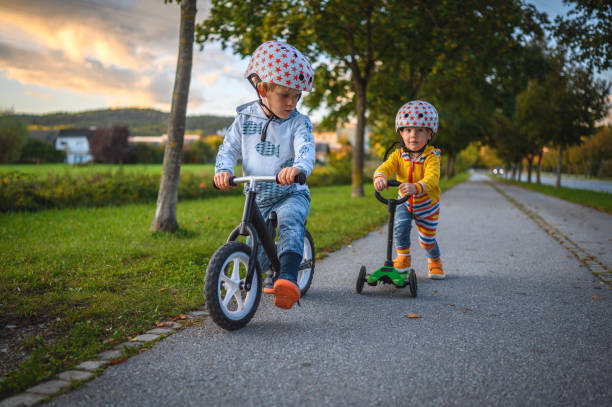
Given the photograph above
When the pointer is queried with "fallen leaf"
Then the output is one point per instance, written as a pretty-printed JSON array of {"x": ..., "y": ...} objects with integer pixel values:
[
  {"x": 467, "y": 309},
  {"x": 107, "y": 340},
  {"x": 435, "y": 291},
  {"x": 161, "y": 290},
  {"x": 116, "y": 362},
  {"x": 451, "y": 305},
  {"x": 594, "y": 297},
  {"x": 181, "y": 316},
  {"x": 164, "y": 323},
  {"x": 413, "y": 315}
]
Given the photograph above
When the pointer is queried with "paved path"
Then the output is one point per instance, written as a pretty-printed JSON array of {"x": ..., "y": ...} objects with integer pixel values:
[{"x": 520, "y": 320}]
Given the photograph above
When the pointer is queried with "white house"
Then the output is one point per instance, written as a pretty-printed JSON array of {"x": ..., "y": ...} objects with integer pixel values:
[{"x": 76, "y": 144}]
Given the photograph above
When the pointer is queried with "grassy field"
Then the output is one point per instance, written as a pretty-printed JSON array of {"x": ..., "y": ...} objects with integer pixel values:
[
  {"x": 595, "y": 199},
  {"x": 90, "y": 278}
]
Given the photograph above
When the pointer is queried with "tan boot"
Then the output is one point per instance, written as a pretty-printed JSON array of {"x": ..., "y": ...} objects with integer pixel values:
[
  {"x": 402, "y": 263},
  {"x": 435, "y": 269}
]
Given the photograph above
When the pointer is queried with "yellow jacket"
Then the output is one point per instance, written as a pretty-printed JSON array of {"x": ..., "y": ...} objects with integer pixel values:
[{"x": 423, "y": 173}]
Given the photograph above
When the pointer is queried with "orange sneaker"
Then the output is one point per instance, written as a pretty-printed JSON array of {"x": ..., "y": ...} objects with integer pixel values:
[
  {"x": 435, "y": 269},
  {"x": 286, "y": 294},
  {"x": 402, "y": 263}
]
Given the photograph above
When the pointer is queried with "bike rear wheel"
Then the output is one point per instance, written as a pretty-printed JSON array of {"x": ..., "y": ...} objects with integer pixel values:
[
  {"x": 229, "y": 304},
  {"x": 307, "y": 266}
]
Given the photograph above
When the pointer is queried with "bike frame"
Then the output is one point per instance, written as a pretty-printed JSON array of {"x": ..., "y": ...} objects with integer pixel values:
[{"x": 254, "y": 226}]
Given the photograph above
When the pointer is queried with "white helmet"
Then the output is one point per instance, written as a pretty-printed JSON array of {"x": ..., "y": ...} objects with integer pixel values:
[
  {"x": 417, "y": 113},
  {"x": 280, "y": 63}
]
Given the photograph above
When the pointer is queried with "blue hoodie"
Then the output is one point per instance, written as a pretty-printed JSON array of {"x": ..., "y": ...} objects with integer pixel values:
[{"x": 289, "y": 143}]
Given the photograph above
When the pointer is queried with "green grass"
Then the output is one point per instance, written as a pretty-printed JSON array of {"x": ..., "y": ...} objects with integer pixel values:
[
  {"x": 594, "y": 199},
  {"x": 96, "y": 276}
]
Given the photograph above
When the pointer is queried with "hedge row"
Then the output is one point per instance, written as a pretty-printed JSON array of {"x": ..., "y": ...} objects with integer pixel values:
[{"x": 25, "y": 192}]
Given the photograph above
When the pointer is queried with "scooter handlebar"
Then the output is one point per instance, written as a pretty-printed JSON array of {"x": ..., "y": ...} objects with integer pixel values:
[{"x": 392, "y": 183}]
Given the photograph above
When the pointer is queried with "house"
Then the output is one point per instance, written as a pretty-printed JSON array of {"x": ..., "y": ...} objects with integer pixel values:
[
  {"x": 331, "y": 140},
  {"x": 75, "y": 142}
]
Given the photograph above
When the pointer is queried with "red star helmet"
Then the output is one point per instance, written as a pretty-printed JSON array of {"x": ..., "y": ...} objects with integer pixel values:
[{"x": 280, "y": 63}]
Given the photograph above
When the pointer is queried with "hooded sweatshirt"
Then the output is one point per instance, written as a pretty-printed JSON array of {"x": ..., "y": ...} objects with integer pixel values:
[{"x": 289, "y": 143}]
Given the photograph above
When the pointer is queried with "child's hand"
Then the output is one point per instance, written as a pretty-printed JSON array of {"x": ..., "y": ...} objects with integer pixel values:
[
  {"x": 407, "y": 189},
  {"x": 380, "y": 183},
  {"x": 287, "y": 175},
  {"x": 222, "y": 180}
]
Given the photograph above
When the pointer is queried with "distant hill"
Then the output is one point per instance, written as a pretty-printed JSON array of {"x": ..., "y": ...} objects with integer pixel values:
[{"x": 141, "y": 122}]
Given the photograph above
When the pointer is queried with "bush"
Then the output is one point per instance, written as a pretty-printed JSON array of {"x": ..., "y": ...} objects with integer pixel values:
[
  {"x": 25, "y": 192},
  {"x": 141, "y": 153},
  {"x": 38, "y": 152}
]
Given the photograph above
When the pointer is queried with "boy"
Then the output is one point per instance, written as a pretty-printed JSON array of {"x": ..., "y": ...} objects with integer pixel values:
[
  {"x": 417, "y": 165},
  {"x": 274, "y": 138}
]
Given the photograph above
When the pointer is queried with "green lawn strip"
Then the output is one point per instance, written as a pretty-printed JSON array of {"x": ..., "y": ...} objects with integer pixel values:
[
  {"x": 97, "y": 276},
  {"x": 594, "y": 199}
]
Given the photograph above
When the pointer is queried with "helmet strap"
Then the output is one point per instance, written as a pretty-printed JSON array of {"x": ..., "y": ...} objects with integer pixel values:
[{"x": 254, "y": 81}]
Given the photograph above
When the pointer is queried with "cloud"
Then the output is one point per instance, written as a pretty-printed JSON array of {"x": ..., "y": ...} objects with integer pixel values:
[{"x": 122, "y": 50}]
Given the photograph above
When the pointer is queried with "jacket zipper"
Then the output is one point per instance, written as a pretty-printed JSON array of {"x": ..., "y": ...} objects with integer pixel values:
[{"x": 410, "y": 180}]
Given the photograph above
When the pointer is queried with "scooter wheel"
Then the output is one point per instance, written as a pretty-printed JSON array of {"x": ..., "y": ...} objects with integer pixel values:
[
  {"x": 412, "y": 281},
  {"x": 360, "y": 280}
]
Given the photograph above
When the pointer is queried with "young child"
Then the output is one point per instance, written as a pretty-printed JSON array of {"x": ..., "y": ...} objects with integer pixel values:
[
  {"x": 272, "y": 138},
  {"x": 417, "y": 165}
]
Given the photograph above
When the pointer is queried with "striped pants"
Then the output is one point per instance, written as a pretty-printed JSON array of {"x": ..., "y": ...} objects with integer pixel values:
[{"x": 426, "y": 228}]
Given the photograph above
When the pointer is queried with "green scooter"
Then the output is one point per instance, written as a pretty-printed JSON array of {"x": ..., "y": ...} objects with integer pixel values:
[{"x": 387, "y": 274}]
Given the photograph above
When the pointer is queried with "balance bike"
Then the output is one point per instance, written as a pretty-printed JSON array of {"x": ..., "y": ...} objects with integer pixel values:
[{"x": 387, "y": 274}]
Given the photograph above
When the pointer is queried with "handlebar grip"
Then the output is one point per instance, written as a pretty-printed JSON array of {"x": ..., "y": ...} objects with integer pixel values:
[
  {"x": 231, "y": 182},
  {"x": 394, "y": 183},
  {"x": 300, "y": 179}
]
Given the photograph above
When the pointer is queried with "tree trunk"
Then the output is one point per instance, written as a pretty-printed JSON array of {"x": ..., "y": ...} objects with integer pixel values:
[
  {"x": 559, "y": 166},
  {"x": 539, "y": 168},
  {"x": 529, "y": 167},
  {"x": 520, "y": 171},
  {"x": 358, "y": 148},
  {"x": 514, "y": 173},
  {"x": 165, "y": 215},
  {"x": 450, "y": 166}
]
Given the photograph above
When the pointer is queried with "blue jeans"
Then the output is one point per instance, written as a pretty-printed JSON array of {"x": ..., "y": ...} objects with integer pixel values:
[
  {"x": 291, "y": 213},
  {"x": 425, "y": 227}
]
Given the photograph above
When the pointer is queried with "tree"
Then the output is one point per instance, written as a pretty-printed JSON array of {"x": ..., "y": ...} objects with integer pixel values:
[
  {"x": 587, "y": 30},
  {"x": 13, "y": 136},
  {"x": 110, "y": 146},
  {"x": 579, "y": 100},
  {"x": 165, "y": 214}
]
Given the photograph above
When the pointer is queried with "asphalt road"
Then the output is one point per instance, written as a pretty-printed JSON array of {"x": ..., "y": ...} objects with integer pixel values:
[{"x": 519, "y": 321}]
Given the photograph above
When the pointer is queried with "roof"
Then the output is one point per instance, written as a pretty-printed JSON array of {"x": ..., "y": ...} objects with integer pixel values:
[
  {"x": 76, "y": 133},
  {"x": 44, "y": 135}
]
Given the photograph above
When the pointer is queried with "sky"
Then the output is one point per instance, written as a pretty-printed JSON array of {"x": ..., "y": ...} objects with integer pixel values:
[{"x": 75, "y": 55}]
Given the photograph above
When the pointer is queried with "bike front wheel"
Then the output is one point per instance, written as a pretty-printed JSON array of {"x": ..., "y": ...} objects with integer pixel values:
[{"x": 229, "y": 304}]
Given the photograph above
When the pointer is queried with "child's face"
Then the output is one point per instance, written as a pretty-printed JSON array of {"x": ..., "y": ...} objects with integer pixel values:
[
  {"x": 415, "y": 138},
  {"x": 281, "y": 100}
]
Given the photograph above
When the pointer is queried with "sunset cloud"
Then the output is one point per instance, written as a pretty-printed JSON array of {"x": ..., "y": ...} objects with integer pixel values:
[{"x": 124, "y": 51}]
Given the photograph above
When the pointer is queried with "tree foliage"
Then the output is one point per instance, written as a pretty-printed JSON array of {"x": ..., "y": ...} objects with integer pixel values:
[
  {"x": 587, "y": 31},
  {"x": 13, "y": 136},
  {"x": 376, "y": 55}
]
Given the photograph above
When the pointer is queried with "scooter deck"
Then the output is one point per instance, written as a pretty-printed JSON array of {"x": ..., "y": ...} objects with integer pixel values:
[{"x": 388, "y": 275}]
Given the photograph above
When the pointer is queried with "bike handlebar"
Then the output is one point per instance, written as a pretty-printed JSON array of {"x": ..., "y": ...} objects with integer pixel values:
[
  {"x": 392, "y": 183},
  {"x": 234, "y": 181}
]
